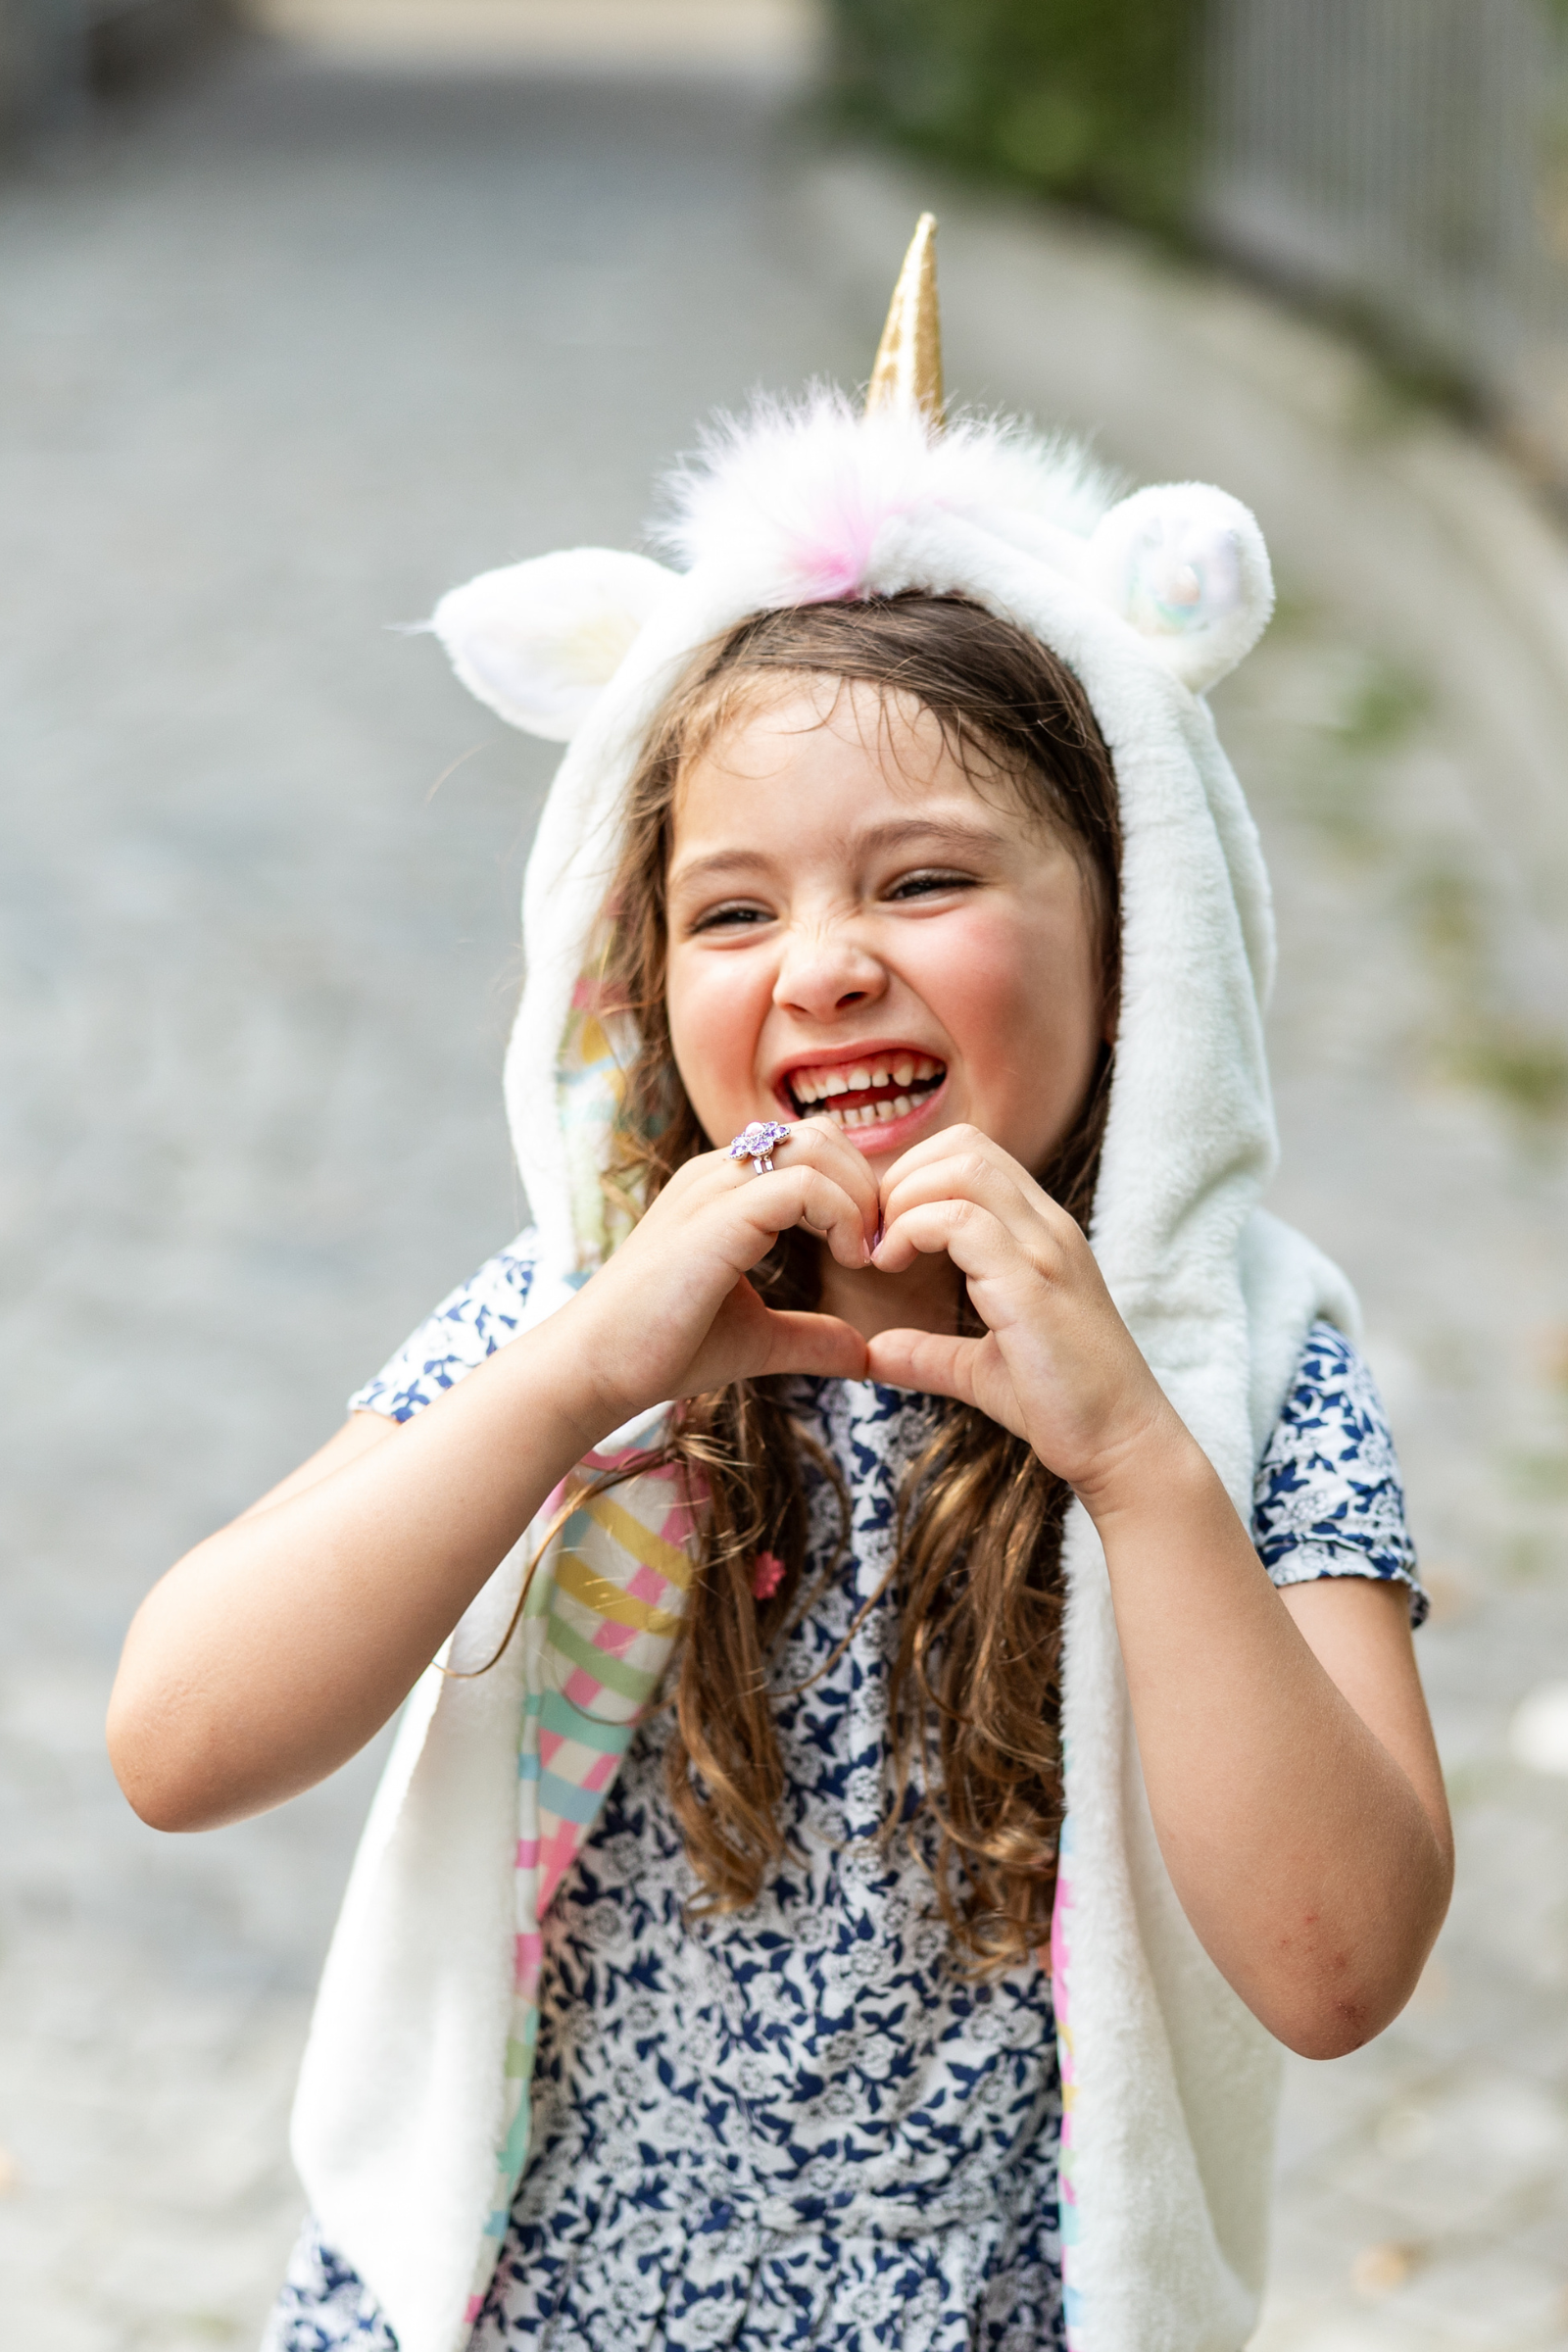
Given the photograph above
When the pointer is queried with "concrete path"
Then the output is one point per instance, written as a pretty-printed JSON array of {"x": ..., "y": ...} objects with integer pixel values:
[{"x": 282, "y": 355}]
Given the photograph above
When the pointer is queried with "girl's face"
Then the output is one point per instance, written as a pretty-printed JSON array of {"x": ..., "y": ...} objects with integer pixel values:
[{"x": 854, "y": 931}]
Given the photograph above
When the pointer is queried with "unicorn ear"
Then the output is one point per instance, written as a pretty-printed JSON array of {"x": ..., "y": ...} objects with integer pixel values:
[
  {"x": 1186, "y": 566},
  {"x": 538, "y": 641}
]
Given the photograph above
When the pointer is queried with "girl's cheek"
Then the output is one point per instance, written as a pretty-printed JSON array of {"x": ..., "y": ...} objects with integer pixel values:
[
  {"x": 1017, "y": 996},
  {"x": 980, "y": 979},
  {"x": 715, "y": 1010}
]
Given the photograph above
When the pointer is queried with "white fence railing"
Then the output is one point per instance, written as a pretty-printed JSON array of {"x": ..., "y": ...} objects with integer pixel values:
[{"x": 1408, "y": 159}]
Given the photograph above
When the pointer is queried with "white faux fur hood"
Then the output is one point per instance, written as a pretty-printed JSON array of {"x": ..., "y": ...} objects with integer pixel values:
[{"x": 1149, "y": 600}]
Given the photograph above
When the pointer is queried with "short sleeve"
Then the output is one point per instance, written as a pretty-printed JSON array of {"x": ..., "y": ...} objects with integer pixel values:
[
  {"x": 1328, "y": 1498},
  {"x": 477, "y": 1318}
]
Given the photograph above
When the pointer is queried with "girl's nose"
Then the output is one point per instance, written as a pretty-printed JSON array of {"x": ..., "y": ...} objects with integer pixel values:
[{"x": 826, "y": 971}]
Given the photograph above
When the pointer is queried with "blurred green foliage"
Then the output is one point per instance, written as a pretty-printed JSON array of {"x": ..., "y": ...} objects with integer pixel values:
[{"x": 1089, "y": 100}]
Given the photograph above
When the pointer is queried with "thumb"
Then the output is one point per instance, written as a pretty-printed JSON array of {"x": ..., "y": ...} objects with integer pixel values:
[
  {"x": 820, "y": 1344},
  {"x": 938, "y": 1365}
]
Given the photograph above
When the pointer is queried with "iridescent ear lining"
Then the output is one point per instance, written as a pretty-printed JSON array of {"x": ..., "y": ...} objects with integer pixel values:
[{"x": 1186, "y": 566}]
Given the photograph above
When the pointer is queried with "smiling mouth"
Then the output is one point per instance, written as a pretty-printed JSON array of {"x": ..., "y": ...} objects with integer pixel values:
[{"x": 866, "y": 1094}]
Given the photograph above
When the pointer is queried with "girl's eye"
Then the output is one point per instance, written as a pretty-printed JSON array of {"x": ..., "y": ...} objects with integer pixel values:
[
  {"x": 737, "y": 917},
  {"x": 925, "y": 885}
]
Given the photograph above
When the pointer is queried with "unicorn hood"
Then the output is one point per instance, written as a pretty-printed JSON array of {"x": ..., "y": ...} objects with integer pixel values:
[{"x": 1150, "y": 600}]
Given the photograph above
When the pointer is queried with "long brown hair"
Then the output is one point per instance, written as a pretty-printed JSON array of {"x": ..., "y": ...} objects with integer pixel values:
[{"x": 975, "y": 1694}]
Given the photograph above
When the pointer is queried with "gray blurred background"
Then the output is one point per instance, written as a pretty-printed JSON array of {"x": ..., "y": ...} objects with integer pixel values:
[{"x": 307, "y": 314}]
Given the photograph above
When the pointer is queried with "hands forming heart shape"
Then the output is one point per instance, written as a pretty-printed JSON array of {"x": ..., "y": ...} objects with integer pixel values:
[{"x": 673, "y": 1313}]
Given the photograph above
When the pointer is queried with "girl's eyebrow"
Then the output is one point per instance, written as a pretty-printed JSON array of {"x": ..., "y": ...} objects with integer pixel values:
[
  {"x": 896, "y": 833},
  {"x": 718, "y": 861},
  {"x": 956, "y": 832}
]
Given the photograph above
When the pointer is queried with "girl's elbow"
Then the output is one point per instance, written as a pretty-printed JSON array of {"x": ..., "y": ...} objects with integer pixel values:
[
  {"x": 1337, "y": 2007},
  {"x": 163, "y": 1783},
  {"x": 1352, "y": 1999},
  {"x": 1333, "y": 2028},
  {"x": 170, "y": 1809}
]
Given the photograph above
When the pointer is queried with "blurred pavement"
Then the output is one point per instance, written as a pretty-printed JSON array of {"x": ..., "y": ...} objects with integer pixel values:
[{"x": 283, "y": 354}]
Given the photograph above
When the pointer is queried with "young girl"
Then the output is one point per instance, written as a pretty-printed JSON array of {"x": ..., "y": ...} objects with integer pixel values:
[{"x": 984, "y": 1587}]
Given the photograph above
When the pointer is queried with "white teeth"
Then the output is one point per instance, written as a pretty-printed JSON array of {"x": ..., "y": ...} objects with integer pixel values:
[
  {"x": 811, "y": 1087},
  {"x": 870, "y": 1115}
]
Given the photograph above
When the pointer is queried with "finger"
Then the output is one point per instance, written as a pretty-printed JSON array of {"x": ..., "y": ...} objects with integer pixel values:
[
  {"x": 967, "y": 1140},
  {"x": 935, "y": 1363},
  {"x": 818, "y": 1144},
  {"x": 940, "y": 1365},
  {"x": 963, "y": 1136},
  {"x": 804, "y": 1195},
  {"x": 971, "y": 1176},
  {"x": 819, "y": 1344},
  {"x": 978, "y": 1242},
  {"x": 829, "y": 1149}
]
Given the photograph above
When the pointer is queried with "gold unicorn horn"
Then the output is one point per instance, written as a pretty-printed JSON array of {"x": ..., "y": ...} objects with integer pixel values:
[{"x": 907, "y": 374}]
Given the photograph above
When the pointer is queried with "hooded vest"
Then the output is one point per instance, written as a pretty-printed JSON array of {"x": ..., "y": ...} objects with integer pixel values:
[{"x": 412, "y": 2122}]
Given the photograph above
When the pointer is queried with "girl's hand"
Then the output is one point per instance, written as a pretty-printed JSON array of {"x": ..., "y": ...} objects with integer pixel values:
[
  {"x": 672, "y": 1314},
  {"x": 1056, "y": 1365},
  {"x": 1316, "y": 1896}
]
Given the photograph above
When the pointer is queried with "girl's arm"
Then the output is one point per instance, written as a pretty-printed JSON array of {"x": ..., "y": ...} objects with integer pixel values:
[
  {"x": 276, "y": 1648},
  {"x": 1289, "y": 1765}
]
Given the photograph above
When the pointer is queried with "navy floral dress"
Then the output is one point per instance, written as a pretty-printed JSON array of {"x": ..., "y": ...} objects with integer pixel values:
[{"x": 806, "y": 2125}]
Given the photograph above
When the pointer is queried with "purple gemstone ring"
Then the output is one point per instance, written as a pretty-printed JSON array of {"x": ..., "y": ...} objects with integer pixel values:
[{"x": 757, "y": 1143}]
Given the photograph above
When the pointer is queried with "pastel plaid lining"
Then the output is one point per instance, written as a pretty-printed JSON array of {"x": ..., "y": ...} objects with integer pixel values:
[{"x": 598, "y": 1627}]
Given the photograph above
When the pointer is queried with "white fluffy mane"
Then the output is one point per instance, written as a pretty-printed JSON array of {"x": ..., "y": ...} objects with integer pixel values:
[{"x": 807, "y": 485}]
